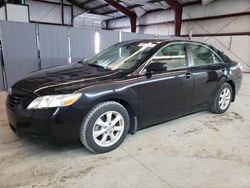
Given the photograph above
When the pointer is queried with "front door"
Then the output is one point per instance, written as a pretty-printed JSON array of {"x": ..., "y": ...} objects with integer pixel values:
[{"x": 168, "y": 94}]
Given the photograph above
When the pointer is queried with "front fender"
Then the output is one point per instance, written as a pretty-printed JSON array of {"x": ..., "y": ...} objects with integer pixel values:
[{"x": 124, "y": 90}]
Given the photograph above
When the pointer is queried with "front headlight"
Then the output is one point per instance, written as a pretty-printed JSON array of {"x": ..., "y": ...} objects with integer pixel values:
[{"x": 51, "y": 101}]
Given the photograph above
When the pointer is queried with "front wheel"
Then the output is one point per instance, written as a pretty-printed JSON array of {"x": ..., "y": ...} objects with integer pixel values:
[
  {"x": 223, "y": 99},
  {"x": 105, "y": 127}
]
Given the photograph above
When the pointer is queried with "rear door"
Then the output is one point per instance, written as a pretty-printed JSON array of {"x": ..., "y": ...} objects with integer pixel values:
[{"x": 208, "y": 71}]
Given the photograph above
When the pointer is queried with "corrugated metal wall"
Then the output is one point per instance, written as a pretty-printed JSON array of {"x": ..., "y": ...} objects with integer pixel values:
[
  {"x": 54, "y": 47},
  {"x": 19, "y": 49},
  {"x": 1, "y": 76},
  {"x": 79, "y": 39},
  {"x": 29, "y": 47}
]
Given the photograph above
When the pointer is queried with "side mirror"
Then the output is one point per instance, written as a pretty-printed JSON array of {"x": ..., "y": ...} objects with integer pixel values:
[{"x": 157, "y": 67}]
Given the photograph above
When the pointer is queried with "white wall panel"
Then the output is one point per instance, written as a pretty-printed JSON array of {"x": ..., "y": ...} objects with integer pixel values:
[
  {"x": 194, "y": 26},
  {"x": 236, "y": 47},
  {"x": 54, "y": 46},
  {"x": 216, "y": 8},
  {"x": 19, "y": 49},
  {"x": 126, "y": 29},
  {"x": 87, "y": 24},
  {"x": 1, "y": 78},
  {"x": 160, "y": 29},
  {"x": 119, "y": 22},
  {"x": 82, "y": 43},
  {"x": 46, "y": 12},
  {"x": 77, "y": 11},
  {"x": 240, "y": 47},
  {"x": 20, "y": 46},
  {"x": 67, "y": 15},
  {"x": 125, "y": 36},
  {"x": 231, "y": 24},
  {"x": 108, "y": 38},
  {"x": 239, "y": 24},
  {"x": 163, "y": 37},
  {"x": 157, "y": 17},
  {"x": 2, "y": 13},
  {"x": 146, "y": 36},
  {"x": 17, "y": 13},
  {"x": 222, "y": 25}
]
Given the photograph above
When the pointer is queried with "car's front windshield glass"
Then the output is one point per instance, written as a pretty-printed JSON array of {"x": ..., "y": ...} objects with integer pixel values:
[{"x": 123, "y": 56}]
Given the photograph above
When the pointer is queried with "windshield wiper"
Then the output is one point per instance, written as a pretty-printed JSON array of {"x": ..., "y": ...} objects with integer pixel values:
[
  {"x": 95, "y": 65},
  {"x": 82, "y": 62}
]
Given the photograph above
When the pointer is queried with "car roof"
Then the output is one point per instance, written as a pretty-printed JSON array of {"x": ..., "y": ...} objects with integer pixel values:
[{"x": 161, "y": 41}]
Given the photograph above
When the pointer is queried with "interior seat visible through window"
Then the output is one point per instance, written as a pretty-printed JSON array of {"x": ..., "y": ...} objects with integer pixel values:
[
  {"x": 203, "y": 55},
  {"x": 173, "y": 55}
]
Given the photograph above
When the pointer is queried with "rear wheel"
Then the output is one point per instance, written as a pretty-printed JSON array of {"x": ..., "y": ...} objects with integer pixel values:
[
  {"x": 223, "y": 99},
  {"x": 105, "y": 127}
]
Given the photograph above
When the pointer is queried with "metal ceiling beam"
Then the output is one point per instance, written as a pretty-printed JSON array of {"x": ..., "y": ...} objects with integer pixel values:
[
  {"x": 197, "y": 2},
  {"x": 155, "y": 10},
  {"x": 178, "y": 8},
  {"x": 191, "y": 19},
  {"x": 86, "y": 2},
  {"x": 101, "y": 6},
  {"x": 173, "y": 3},
  {"x": 132, "y": 7},
  {"x": 82, "y": 5},
  {"x": 178, "y": 20},
  {"x": 98, "y": 7},
  {"x": 144, "y": 3},
  {"x": 125, "y": 11},
  {"x": 136, "y": 4},
  {"x": 62, "y": 11},
  {"x": 76, "y": 3}
]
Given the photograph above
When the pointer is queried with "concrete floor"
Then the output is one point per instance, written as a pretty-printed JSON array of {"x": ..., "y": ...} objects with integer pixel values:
[{"x": 200, "y": 150}]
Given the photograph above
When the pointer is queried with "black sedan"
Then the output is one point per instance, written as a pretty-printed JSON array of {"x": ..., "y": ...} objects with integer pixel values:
[{"x": 127, "y": 87}]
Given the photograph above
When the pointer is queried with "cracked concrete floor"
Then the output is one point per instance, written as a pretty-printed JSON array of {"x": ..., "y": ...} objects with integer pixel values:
[{"x": 199, "y": 150}]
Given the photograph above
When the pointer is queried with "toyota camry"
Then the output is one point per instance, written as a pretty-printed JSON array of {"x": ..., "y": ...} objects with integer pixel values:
[{"x": 128, "y": 86}]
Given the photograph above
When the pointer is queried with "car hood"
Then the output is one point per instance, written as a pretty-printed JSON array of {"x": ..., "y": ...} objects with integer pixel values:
[{"x": 65, "y": 79}]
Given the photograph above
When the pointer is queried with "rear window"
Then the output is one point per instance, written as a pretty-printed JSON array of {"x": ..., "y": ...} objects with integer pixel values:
[{"x": 202, "y": 55}]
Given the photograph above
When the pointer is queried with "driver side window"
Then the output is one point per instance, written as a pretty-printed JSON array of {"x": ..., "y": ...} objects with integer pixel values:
[{"x": 173, "y": 56}]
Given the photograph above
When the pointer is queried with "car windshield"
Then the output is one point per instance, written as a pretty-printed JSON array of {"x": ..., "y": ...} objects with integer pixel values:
[{"x": 122, "y": 56}]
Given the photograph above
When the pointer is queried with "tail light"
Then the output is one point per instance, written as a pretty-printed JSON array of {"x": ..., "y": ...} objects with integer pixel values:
[{"x": 240, "y": 66}]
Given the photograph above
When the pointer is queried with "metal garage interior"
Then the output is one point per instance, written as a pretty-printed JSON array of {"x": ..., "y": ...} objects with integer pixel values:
[{"x": 199, "y": 150}]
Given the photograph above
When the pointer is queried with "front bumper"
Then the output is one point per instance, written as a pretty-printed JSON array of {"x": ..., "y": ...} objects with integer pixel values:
[{"x": 59, "y": 125}]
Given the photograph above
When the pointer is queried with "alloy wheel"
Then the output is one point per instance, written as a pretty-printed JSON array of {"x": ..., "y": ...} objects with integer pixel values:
[
  {"x": 224, "y": 99},
  {"x": 108, "y": 128}
]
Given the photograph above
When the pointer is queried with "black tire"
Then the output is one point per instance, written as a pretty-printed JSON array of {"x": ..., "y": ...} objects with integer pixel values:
[
  {"x": 215, "y": 107},
  {"x": 86, "y": 130}
]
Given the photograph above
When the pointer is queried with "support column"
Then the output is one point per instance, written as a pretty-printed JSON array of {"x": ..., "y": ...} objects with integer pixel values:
[{"x": 132, "y": 16}]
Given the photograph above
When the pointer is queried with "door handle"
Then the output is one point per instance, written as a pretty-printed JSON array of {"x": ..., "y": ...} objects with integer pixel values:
[
  {"x": 188, "y": 75},
  {"x": 223, "y": 69}
]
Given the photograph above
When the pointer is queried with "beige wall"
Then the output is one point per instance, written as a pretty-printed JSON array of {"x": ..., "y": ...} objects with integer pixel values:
[{"x": 237, "y": 47}]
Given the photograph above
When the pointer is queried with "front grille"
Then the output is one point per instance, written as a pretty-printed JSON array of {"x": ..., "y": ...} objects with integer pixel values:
[{"x": 19, "y": 97}]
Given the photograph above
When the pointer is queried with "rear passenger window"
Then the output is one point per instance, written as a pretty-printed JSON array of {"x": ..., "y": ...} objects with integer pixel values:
[
  {"x": 173, "y": 55},
  {"x": 203, "y": 55}
]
